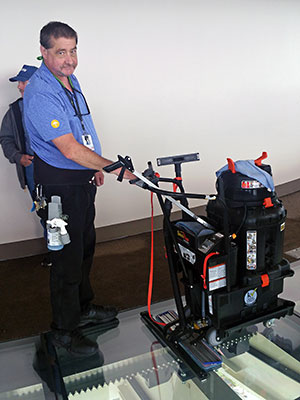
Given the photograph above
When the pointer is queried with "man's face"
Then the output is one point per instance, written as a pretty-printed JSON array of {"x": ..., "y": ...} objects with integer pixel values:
[
  {"x": 61, "y": 58},
  {"x": 21, "y": 87}
]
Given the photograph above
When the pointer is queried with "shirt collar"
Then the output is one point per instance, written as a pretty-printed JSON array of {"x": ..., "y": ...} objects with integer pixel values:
[{"x": 49, "y": 77}]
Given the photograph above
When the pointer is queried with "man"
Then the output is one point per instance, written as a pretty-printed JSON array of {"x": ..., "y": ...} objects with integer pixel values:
[
  {"x": 14, "y": 138},
  {"x": 15, "y": 141},
  {"x": 67, "y": 162}
]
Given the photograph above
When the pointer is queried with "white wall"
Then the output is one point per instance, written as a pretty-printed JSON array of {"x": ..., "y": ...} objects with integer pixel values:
[{"x": 166, "y": 77}]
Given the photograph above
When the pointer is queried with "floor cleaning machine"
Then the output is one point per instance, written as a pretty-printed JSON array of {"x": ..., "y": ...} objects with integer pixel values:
[{"x": 226, "y": 267}]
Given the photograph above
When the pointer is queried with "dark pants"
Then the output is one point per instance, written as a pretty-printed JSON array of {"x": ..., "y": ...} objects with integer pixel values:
[{"x": 70, "y": 287}]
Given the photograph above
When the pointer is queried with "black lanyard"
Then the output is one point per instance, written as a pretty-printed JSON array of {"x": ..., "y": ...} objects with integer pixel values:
[{"x": 75, "y": 104}]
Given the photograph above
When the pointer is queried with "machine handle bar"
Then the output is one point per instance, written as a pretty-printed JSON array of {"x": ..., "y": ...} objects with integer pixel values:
[{"x": 126, "y": 163}]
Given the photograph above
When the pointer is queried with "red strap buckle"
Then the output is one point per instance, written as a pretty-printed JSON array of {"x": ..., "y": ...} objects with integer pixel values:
[
  {"x": 268, "y": 202},
  {"x": 265, "y": 280}
]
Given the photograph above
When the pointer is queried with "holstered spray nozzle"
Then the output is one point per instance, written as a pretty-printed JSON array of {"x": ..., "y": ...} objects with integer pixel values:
[{"x": 57, "y": 235}]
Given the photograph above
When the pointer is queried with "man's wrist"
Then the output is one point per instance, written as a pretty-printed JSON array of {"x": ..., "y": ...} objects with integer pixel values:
[{"x": 17, "y": 158}]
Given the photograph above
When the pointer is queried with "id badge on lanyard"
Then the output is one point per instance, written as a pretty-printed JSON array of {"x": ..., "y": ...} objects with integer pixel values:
[{"x": 88, "y": 141}]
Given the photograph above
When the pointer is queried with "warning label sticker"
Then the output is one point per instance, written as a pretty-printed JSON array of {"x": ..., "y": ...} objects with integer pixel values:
[
  {"x": 216, "y": 276},
  {"x": 219, "y": 283},
  {"x": 251, "y": 242}
]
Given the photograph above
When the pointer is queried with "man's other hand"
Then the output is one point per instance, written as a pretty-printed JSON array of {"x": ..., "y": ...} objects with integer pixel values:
[
  {"x": 26, "y": 160},
  {"x": 99, "y": 178}
]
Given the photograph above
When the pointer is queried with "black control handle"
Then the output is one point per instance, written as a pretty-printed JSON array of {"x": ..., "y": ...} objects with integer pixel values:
[
  {"x": 111, "y": 167},
  {"x": 123, "y": 163}
]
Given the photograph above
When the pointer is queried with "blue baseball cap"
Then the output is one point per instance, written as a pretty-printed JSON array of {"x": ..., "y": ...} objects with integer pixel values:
[{"x": 26, "y": 72}]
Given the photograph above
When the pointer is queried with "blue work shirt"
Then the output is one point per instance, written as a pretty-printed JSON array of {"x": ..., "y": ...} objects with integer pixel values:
[{"x": 48, "y": 114}]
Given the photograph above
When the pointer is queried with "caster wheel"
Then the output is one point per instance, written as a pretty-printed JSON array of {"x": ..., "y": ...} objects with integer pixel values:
[{"x": 212, "y": 338}]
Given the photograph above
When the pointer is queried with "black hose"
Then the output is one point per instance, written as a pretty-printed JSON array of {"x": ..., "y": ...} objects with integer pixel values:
[{"x": 177, "y": 195}]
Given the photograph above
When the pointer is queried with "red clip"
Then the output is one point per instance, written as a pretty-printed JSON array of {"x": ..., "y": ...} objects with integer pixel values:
[
  {"x": 231, "y": 165},
  {"x": 259, "y": 159},
  {"x": 265, "y": 280},
  {"x": 177, "y": 178},
  {"x": 268, "y": 202}
]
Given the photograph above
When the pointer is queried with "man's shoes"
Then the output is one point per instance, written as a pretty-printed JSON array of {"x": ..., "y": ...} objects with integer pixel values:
[
  {"x": 74, "y": 342},
  {"x": 97, "y": 315}
]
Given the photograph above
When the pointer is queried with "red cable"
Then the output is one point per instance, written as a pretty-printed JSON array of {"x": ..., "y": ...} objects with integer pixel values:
[
  {"x": 151, "y": 269},
  {"x": 154, "y": 361}
]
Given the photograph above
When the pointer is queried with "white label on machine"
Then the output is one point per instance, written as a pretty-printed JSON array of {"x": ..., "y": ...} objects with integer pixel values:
[
  {"x": 251, "y": 185},
  {"x": 251, "y": 240},
  {"x": 216, "y": 272},
  {"x": 210, "y": 305},
  {"x": 187, "y": 254},
  {"x": 219, "y": 283},
  {"x": 216, "y": 276}
]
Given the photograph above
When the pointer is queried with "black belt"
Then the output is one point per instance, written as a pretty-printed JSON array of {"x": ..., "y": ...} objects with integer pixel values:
[{"x": 46, "y": 174}]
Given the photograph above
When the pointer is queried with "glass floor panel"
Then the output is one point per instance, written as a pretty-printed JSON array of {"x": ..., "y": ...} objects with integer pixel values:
[
  {"x": 155, "y": 372},
  {"x": 134, "y": 365}
]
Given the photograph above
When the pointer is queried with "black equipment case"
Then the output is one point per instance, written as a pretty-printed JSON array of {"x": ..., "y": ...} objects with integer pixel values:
[
  {"x": 230, "y": 261},
  {"x": 239, "y": 264}
]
